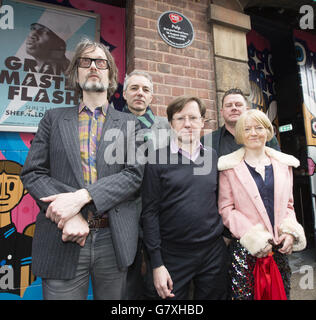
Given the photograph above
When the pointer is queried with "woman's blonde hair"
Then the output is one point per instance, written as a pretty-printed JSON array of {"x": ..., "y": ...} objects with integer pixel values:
[{"x": 256, "y": 115}]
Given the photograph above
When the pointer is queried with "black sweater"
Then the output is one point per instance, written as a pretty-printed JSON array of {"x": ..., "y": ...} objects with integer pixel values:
[{"x": 179, "y": 207}]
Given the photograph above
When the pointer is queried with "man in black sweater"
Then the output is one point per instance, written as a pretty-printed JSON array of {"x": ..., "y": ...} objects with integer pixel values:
[{"x": 181, "y": 225}]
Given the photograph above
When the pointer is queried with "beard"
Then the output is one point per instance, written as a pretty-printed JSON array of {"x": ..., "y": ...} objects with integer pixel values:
[{"x": 94, "y": 87}]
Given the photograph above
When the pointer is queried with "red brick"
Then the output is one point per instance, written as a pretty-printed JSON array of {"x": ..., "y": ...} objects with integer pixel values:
[
  {"x": 164, "y": 68},
  {"x": 162, "y": 89},
  {"x": 201, "y": 35},
  {"x": 190, "y": 73},
  {"x": 163, "y": 47},
  {"x": 200, "y": 45},
  {"x": 147, "y": 34},
  {"x": 201, "y": 84},
  {"x": 190, "y": 92},
  {"x": 158, "y": 99},
  {"x": 147, "y": 13},
  {"x": 157, "y": 78},
  {"x": 176, "y": 91},
  {"x": 208, "y": 103},
  {"x": 177, "y": 3},
  {"x": 177, "y": 70},
  {"x": 188, "y": 13},
  {"x": 200, "y": 64},
  {"x": 141, "y": 22},
  {"x": 202, "y": 54},
  {"x": 152, "y": 45},
  {"x": 162, "y": 111},
  {"x": 148, "y": 55},
  {"x": 178, "y": 60},
  {"x": 141, "y": 43},
  {"x": 169, "y": 99},
  {"x": 144, "y": 3},
  {"x": 152, "y": 66},
  {"x": 177, "y": 81},
  {"x": 203, "y": 74},
  {"x": 203, "y": 94},
  {"x": 141, "y": 64},
  {"x": 174, "y": 71},
  {"x": 162, "y": 7},
  {"x": 152, "y": 24}
]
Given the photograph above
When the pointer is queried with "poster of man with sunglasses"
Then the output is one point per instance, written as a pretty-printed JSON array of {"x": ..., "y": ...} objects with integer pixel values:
[{"x": 33, "y": 65}]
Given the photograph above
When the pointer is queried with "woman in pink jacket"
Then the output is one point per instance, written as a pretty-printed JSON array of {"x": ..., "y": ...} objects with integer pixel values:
[{"x": 256, "y": 203}]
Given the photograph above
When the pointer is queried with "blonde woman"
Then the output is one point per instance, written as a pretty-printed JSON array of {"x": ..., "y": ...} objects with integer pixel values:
[{"x": 256, "y": 203}]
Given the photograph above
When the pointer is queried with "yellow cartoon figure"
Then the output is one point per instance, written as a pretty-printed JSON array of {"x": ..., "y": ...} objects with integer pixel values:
[{"x": 15, "y": 248}]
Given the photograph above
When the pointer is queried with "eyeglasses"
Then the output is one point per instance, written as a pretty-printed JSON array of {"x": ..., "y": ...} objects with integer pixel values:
[
  {"x": 102, "y": 64},
  {"x": 192, "y": 119},
  {"x": 258, "y": 129}
]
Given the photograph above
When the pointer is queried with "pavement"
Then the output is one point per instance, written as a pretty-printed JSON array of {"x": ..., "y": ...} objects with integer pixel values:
[{"x": 303, "y": 281}]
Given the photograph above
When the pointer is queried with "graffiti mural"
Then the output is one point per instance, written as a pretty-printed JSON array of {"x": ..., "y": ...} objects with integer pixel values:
[
  {"x": 305, "y": 45},
  {"x": 18, "y": 210},
  {"x": 262, "y": 93}
]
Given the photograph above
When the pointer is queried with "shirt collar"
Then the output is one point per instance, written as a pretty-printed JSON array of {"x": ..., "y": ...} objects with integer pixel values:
[
  {"x": 226, "y": 132},
  {"x": 174, "y": 148},
  {"x": 104, "y": 108}
]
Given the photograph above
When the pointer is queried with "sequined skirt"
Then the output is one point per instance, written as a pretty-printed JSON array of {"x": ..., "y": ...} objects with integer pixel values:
[{"x": 241, "y": 271}]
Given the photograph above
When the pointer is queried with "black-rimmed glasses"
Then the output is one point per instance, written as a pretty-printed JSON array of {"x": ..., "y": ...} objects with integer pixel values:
[{"x": 84, "y": 62}]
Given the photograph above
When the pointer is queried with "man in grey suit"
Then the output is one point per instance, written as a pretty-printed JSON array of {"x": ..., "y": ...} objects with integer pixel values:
[
  {"x": 88, "y": 223},
  {"x": 138, "y": 92}
]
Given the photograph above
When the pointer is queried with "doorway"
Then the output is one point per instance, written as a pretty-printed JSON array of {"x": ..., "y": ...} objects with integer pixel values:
[{"x": 288, "y": 96}]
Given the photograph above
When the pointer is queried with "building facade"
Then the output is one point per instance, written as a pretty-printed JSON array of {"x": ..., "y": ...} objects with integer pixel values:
[{"x": 266, "y": 48}]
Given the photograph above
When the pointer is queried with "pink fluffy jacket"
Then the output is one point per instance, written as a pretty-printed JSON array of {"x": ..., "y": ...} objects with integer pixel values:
[{"x": 242, "y": 209}]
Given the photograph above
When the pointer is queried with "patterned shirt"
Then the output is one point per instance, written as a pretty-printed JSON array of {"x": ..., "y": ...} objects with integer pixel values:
[{"x": 90, "y": 130}]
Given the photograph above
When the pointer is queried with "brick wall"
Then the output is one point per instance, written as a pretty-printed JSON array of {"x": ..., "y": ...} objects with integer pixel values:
[{"x": 175, "y": 71}]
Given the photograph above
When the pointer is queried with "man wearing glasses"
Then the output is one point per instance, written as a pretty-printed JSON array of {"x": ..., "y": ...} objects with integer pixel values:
[
  {"x": 181, "y": 224},
  {"x": 87, "y": 225}
]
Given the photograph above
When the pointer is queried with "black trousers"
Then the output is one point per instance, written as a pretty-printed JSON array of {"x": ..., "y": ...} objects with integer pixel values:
[{"x": 205, "y": 266}]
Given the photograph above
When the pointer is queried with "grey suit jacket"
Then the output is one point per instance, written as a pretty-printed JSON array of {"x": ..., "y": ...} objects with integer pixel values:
[
  {"x": 53, "y": 165},
  {"x": 159, "y": 138},
  {"x": 160, "y": 132}
]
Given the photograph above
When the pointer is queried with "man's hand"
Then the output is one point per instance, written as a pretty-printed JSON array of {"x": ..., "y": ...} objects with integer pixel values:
[
  {"x": 163, "y": 282},
  {"x": 76, "y": 229},
  {"x": 64, "y": 206}
]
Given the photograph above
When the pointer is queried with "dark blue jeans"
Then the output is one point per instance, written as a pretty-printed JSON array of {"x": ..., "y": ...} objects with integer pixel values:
[{"x": 97, "y": 259}]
